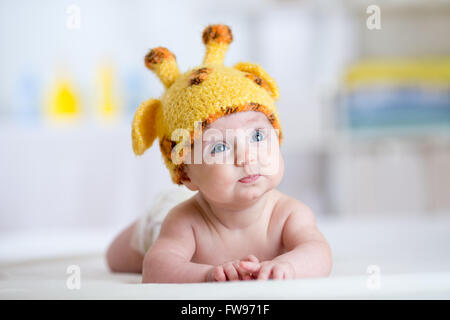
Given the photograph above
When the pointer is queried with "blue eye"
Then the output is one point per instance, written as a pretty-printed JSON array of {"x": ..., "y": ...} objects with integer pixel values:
[
  {"x": 258, "y": 136},
  {"x": 220, "y": 147}
]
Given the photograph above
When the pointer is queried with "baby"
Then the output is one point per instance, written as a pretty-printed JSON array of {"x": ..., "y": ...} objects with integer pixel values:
[{"x": 236, "y": 226}]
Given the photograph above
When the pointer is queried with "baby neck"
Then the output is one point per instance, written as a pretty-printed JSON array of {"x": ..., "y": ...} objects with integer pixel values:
[{"x": 237, "y": 215}]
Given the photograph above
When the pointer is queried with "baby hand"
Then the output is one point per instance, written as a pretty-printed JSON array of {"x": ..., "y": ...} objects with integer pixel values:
[
  {"x": 269, "y": 269},
  {"x": 231, "y": 271}
]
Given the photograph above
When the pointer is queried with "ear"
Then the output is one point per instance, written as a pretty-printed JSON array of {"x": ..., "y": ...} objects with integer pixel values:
[
  {"x": 187, "y": 181},
  {"x": 144, "y": 126},
  {"x": 260, "y": 76}
]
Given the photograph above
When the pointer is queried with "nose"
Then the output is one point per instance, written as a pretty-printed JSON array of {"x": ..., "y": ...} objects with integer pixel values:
[{"x": 244, "y": 155}]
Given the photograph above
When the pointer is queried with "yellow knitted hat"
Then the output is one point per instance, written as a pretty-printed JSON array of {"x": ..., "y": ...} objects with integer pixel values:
[{"x": 204, "y": 94}]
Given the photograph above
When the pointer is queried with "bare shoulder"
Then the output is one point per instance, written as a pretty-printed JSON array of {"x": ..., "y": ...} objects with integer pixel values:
[
  {"x": 299, "y": 224},
  {"x": 289, "y": 208},
  {"x": 176, "y": 234},
  {"x": 180, "y": 218}
]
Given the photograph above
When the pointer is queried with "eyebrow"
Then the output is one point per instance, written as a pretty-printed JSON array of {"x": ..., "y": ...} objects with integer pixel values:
[
  {"x": 255, "y": 118},
  {"x": 213, "y": 138}
]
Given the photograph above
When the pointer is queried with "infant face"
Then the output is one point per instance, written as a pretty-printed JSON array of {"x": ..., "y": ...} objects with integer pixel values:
[{"x": 240, "y": 160}]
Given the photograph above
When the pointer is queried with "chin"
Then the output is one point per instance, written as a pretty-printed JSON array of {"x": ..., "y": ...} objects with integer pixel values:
[{"x": 252, "y": 192}]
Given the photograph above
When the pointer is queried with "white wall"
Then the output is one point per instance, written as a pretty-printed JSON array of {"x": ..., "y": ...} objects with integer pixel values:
[{"x": 87, "y": 175}]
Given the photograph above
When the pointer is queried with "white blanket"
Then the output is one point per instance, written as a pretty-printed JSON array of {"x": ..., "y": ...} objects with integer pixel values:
[{"x": 382, "y": 259}]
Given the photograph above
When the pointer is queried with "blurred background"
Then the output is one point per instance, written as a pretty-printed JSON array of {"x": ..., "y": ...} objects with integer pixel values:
[{"x": 365, "y": 103}]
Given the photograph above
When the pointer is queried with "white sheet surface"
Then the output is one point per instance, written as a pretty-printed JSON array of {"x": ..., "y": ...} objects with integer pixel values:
[{"x": 413, "y": 257}]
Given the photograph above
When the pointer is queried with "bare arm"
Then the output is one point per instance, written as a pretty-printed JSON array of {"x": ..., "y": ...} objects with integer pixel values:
[
  {"x": 168, "y": 259},
  {"x": 308, "y": 252}
]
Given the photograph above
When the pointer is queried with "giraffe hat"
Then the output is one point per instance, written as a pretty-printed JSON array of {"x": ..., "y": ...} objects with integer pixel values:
[{"x": 199, "y": 97}]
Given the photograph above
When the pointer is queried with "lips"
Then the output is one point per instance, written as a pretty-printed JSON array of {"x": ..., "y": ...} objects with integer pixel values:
[{"x": 249, "y": 179}]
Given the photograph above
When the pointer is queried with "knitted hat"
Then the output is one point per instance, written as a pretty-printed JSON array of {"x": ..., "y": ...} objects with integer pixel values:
[{"x": 200, "y": 96}]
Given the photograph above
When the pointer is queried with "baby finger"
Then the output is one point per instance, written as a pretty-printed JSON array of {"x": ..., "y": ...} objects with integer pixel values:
[
  {"x": 251, "y": 267},
  {"x": 278, "y": 273},
  {"x": 264, "y": 272},
  {"x": 219, "y": 274},
  {"x": 243, "y": 274},
  {"x": 230, "y": 271},
  {"x": 251, "y": 258}
]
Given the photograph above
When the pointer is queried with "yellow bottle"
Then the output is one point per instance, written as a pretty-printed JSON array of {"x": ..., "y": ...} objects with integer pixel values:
[
  {"x": 108, "y": 107},
  {"x": 63, "y": 102}
]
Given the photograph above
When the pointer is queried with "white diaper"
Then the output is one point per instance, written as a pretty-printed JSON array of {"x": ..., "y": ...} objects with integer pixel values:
[{"x": 149, "y": 224}]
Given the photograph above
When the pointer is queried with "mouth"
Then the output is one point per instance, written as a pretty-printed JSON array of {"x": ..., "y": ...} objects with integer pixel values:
[{"x": 250, "y": 179}]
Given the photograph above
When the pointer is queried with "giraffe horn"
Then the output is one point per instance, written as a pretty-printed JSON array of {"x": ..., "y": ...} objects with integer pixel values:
[
  {"x": 216, "y": 38},
  {"x": 163, "y": 63}
]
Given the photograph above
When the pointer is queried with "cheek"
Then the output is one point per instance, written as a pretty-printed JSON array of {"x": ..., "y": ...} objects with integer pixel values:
[
  {"x": 281, "y": 166},
  {"x": 276, "y": 172},
  {"x": 213, "y": 176},
  {"x": 223, "y": 174},
  {"x": 270, "y": 159}
]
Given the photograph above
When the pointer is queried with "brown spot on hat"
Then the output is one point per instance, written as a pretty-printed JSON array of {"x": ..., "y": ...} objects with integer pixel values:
[
  {"x": 258, "y": 80},
  {"x": 217, "y": 33},
  {"x": 156, "y": 56},
  {"x": 199, "y": 75}
]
